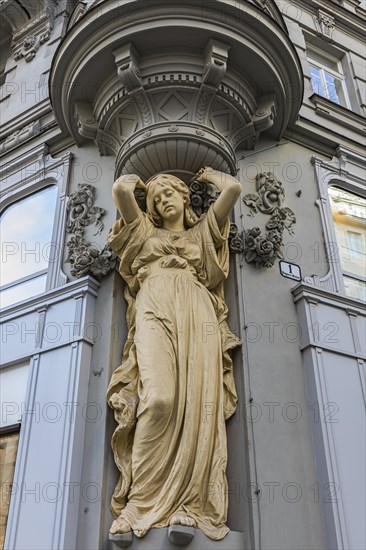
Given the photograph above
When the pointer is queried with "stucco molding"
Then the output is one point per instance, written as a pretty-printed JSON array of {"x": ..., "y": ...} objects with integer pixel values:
[
  {"x": 263, "y": 250},
  {"x": 199, "y": 95},
  {"x": 348, "y": 21},
  {"x": 83, "y": 257},
  {"x": 20, "y": 136},
  {"x": 27, "y": 39},
  {"x": 339, "y": 114},
  {"x": 325, "y": 25}
]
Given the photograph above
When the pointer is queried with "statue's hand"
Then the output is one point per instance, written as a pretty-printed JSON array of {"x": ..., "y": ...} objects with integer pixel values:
[
  {"x": 128, "y": 182},
  {"x": 221, "y": 180},
  {"x": 203, "y": 174},
  {"x": 209, "y": 175}
]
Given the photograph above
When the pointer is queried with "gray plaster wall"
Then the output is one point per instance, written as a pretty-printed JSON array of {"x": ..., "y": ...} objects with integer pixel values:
[
  {"x": 269, "y": 438},
  {"x": 274, "y": 491},
  {"x": 281, "y": 454}
]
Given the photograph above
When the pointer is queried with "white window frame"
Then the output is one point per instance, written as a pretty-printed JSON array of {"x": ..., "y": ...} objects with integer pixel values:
[
  {"x": 324, "y": 69},
  {"x": 24, "y": 176},
  {"x": 338, "y": 172},
  {"x": 350, "y": 253}
]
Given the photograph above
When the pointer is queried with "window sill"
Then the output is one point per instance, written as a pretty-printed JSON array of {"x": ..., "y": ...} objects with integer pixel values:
[{"x": 339, "y": 114}]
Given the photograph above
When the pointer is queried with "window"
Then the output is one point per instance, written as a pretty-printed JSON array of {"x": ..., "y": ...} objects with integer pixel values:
[
  {"x": 327, "y": 77},
  {"x": 13, "y": 385},
  {"x": 8, "y": 450},
  {"x": 26, "y": 245},
  {"x": 349, "y": 216}
]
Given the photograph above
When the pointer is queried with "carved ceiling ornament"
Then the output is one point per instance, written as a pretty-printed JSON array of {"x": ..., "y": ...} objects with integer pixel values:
[
  {"x": 263, "y": 250},
  {"x": 83, "y": 257}
]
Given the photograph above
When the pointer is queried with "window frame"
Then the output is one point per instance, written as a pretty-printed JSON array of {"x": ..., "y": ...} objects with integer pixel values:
[
  {"x": 40, "y": 272},
  {"x": 339, "y": 75},
  {"x": 24, "y": 177},
  {"x": 349, "y": 188},
  {"x": 345, "y": 171}
]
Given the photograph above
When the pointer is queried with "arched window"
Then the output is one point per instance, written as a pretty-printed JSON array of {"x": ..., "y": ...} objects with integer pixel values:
[
  {"x": 349, "y": 216},
  {"x": 26, "y": 245}
]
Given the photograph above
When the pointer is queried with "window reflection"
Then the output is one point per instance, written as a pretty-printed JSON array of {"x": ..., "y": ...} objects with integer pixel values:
[
  {"x": 349, "y": 216},
  {"x": 8, "y": 452},
  {"x": 22, "y": 291},
  {"x": 26, "y": 244},
  {"x": 327, "y": 78}
]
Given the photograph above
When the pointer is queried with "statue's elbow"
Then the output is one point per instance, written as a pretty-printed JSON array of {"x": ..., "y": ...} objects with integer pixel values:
[{"x": 236, "y": 188}]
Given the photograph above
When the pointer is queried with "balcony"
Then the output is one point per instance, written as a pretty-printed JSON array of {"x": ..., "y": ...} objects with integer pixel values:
[{"x": 170, "y": 85}]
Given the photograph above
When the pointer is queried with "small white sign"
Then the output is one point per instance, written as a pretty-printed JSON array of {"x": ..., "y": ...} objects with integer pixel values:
[{"x": 292, "y": 271}]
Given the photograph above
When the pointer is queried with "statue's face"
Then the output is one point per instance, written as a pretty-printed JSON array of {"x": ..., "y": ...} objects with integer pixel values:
[{"x": 168, "y": 202}]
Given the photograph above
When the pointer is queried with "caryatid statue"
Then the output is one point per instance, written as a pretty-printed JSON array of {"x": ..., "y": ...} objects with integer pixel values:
[{"x": 170, "y": 452}]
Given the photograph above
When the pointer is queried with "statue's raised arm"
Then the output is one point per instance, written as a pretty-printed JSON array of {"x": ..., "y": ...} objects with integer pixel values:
[
  {"x": 229, "y": 188},
  {"x": 124, "y": 198}
]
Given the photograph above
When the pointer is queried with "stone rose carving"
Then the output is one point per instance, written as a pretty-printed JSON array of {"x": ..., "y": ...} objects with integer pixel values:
[
  {"x": 83, "y": 257},
  {"x": 263, "y": 250}
]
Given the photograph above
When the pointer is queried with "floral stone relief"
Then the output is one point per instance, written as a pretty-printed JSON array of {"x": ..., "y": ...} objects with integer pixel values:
[
  {"x": 83, "y": 257},
  {"x": 263, "y": 250}
]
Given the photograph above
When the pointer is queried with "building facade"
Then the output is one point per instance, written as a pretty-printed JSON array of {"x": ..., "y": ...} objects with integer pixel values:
[{"x": 270, "y": 91}]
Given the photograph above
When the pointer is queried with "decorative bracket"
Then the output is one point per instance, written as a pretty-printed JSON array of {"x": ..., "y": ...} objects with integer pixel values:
[
  {"x": 86, "y": 122},
  {"x": 214, "y": 69},
  {"x": 20, "y": 136},
  {"x": 215, "y": 63},
  {"x": 127, "y": 62},
  {"x": 264, "y": 114}
]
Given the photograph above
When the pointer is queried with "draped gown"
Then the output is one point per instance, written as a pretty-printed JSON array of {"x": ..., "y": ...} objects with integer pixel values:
[{"x": 174, "y": 388}]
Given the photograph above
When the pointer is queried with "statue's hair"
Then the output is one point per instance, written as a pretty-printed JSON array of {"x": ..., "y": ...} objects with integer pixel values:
[{"x": 190, "y": 219}]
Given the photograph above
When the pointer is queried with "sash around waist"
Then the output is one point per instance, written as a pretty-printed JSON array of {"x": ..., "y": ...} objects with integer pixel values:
[{"x": 165, "y": 265}]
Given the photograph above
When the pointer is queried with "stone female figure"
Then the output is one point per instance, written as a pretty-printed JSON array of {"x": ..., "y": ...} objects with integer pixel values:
[{"x": 175, "y": 387}]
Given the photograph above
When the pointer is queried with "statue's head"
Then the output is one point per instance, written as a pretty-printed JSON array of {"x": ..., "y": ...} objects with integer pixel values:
[{"x": 154, "y": 187}]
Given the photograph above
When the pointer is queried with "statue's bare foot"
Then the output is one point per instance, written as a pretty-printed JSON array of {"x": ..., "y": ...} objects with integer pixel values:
[
  {"x": 120, "y": 526},
  {"x": 182, "y": 519}
]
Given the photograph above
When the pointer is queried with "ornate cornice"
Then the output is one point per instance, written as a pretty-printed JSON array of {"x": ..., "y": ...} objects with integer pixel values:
[
  {"x": 339, "y": 114},
  {"x": 344, "y": 18},
  {"x": 20, "y": 136}
]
